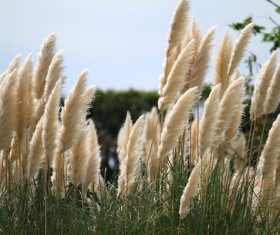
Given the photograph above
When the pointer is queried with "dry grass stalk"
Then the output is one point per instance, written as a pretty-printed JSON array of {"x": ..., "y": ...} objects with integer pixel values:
[
  {"x": 239, "y": 47},
  {"x": 175, "y": 122},
  {"x": 172, "y": 89},
  {"x": 263, "y": 82}
]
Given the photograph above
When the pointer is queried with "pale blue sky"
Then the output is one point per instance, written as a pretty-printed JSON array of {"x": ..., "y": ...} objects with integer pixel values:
[{"x": 121, "y": 42}]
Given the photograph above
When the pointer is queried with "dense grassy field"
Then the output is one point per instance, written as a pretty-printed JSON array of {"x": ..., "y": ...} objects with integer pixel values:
[{"x": 180, "y": 172}]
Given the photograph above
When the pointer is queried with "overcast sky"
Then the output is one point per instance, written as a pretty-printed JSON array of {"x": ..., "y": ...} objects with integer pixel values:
[{"x": 121, "y": 42}]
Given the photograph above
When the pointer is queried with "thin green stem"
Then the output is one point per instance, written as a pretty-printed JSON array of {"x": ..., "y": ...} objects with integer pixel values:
[{"x": 260, "y": 145}]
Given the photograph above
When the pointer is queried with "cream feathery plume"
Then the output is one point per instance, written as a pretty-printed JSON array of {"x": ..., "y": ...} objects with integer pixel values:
[
  {"x": 12, "y": 66},
  {"x": 208, "y": 123},
  {"x": 176, "y": 77},
  {"x": 273, "y": 94},
  {"x": 222, "y": 61},
  {"x": 8, "y": 108},
  {"x": 232, "y": 100},
  {"x": 79, "y": 153},
  {"x": 133, "y": 159},
  {"x": 268, "y": 159},
  {"x": 44, "y": 60},
  {"x": 167, "y": 66},
  {"x": 92, "y": 167},
  {"x": 178, "y": 25},
  {"x": 74, "y": 112},
  {"x": 23, "y": 102},
  {"x": 201, "y": 60},
  {"x": 239, "y": 47},
  {"x": 123, "y": 138},
  {"x": 35, "y": 155},
  {"x": 54, "y": 74},
  {"x": 151, "y": 136},
  {"x": 51, "y": 123},
  {"x": 176, "y": 121},
  {"x": 263, "y": 82},
  {"x": 175, "y": 37},
  {"x": 196, "y": 32},
  {"x": 191, "y": 190}
]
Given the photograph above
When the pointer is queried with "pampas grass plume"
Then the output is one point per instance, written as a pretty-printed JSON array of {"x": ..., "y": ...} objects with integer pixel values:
[
  {"x": 176, "y": 77},
  {"x": 232, "y": 100},
  {"x": 190, "y": 191},
  {"x": 208, "y": 123},
  {"x": 239, "y": 47},
  {"x": 222, "y": 61},
  {"x": 133, "y": 160},
  {"x": 270, "y": 153},
  {"x": 261, "y": 88},
  {"x": 51, "y": 123},
  {"x": 54, "y": 74},
  {"x": 74, "y": 112},
  {"x": 201, "y": 63},
  {"x": 175, "y": 37},
  {"x": 273, "y": 94},
  {"x": 44, "y": 60},
  {"x": 123, "y": 138},
  {"x": 92, "y": 167},
  {"x": 175, "y": 122},
  {"x": 8, "y": 107},
  {"x": 36, "y": 152}
]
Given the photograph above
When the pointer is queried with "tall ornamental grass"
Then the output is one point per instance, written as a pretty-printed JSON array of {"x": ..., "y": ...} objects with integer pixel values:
[{"x": 180, "y": 172}]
